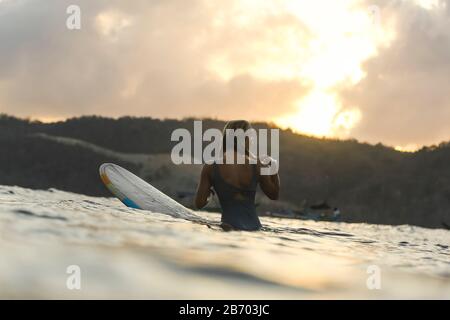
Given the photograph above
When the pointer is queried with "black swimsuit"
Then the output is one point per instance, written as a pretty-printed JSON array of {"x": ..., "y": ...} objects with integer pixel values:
[{"x": 238, "y": 204}]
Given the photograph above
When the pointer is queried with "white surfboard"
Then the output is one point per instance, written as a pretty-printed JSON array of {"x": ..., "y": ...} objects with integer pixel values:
[{"x": 136, "y": 193}]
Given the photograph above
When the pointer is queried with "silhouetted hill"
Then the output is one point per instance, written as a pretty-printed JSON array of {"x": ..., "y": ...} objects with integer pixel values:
[
  {"x": 369, "y": 183},
  {"x": 39, "y": 164}
]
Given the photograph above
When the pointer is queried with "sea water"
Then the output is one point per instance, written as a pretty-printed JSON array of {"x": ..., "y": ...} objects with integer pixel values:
[{"x": 49, "y": 238}]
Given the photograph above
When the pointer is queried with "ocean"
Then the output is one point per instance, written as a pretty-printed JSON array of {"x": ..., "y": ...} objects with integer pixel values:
[{"x": 118, "y": 252}]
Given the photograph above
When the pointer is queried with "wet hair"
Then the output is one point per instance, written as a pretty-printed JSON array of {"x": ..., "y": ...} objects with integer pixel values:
[{"x": 235, "y": 125}]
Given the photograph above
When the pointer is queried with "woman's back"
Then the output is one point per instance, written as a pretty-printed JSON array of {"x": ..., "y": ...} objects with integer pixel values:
[
  {"x": 235, "y": 185},
  {"x": 238, "y": 175}
]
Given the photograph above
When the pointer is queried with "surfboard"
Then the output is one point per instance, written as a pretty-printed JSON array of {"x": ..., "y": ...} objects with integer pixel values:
[{"x": 136, "y": 193}]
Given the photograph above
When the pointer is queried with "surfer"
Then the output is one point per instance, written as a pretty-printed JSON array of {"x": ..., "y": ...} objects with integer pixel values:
[{"x": 235, "y": 184}]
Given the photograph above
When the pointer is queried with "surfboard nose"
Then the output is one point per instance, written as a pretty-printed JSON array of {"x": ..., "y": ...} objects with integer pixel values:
[{"x": 105, "y": 179}]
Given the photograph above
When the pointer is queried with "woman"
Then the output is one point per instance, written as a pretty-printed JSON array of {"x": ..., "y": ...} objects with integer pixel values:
[{"x": 235, "y": 184}]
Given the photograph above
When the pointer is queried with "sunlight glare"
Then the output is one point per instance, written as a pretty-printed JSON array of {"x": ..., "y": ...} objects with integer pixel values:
[
  {"x": 324, "y": 53},
  {"x": 319, "y": 115}
]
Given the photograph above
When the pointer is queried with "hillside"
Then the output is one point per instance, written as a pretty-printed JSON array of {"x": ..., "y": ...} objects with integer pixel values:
[{"x": 368, "y": 183}]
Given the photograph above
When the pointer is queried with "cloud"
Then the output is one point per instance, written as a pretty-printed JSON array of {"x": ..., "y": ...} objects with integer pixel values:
[
  {"x": 152, "y": 58},
  {"x": 404, "y": 98}
]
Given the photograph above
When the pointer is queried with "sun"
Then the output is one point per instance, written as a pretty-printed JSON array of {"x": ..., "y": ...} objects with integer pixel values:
[
  {"x": 320, "y": 114},
  {"x": 314, "y": 116}
]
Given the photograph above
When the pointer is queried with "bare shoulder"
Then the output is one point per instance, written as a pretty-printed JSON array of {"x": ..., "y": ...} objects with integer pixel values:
[{"x": 207, "y": 169}]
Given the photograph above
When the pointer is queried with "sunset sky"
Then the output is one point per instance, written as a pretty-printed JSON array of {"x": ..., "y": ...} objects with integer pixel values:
[{"x": 377, "y": 71}]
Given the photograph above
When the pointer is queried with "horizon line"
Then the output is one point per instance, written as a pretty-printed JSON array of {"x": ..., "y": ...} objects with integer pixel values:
[{"x": 56, "y": 120}]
